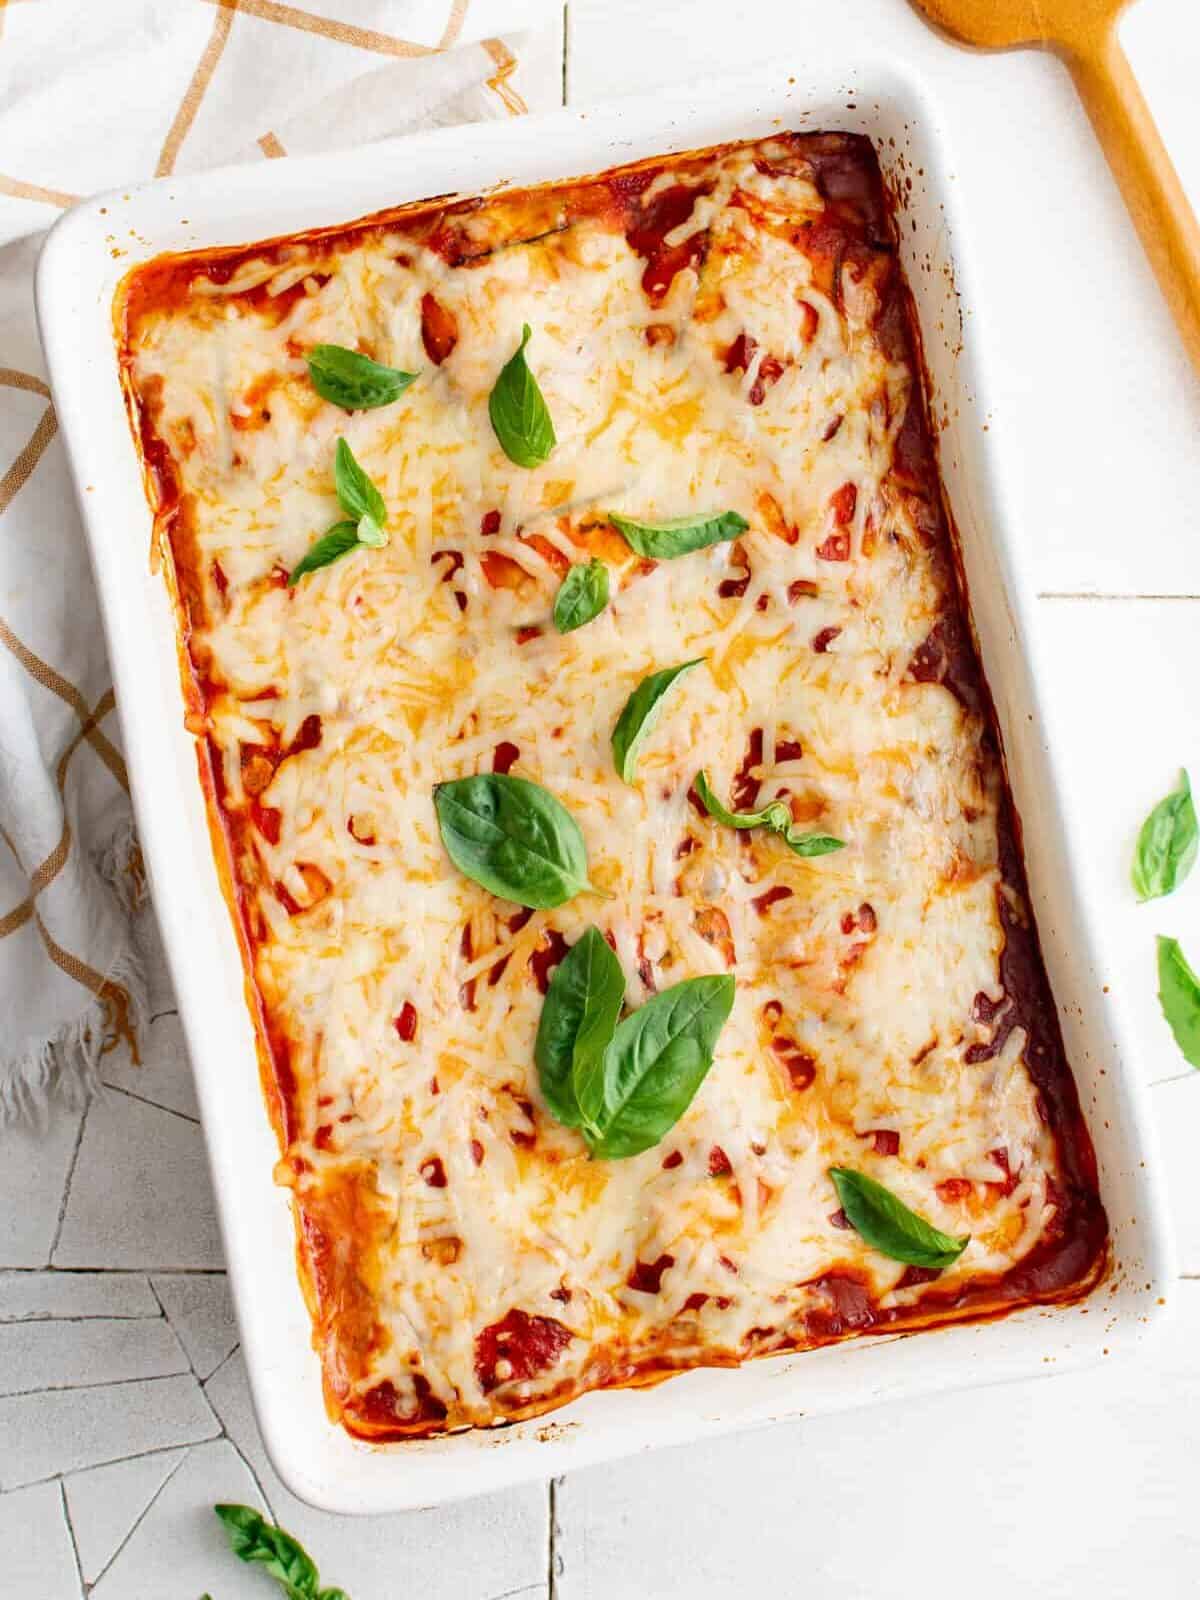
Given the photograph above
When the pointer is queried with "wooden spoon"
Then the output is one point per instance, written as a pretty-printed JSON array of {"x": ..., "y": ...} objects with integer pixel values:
[{"x": 1084, "y": 34}]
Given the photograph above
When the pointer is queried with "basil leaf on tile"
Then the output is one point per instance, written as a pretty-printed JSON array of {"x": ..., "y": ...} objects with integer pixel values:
[
  {"x": 261, "y": 1543},
  {"x": 340, "y": 539},
  {"x": 1166, "y": 846},
  {"x": 519, "y": 413},
  {"x": 513, "y": 837},
  {"x": 582, "y": 596},
  {"x": 358, "y": 495},
  {"x": 889, "y": 1226},
  {"x": 639, "y": 714},
  {"x": 776, "y": 816},
  {"x": 1179, "y": 997},
  {"x": 580, "y": 1012},
  {"x": 353, "y": 381},
  {"x": 661, "y": 541},
  {"x": 639, "y": 1087}
]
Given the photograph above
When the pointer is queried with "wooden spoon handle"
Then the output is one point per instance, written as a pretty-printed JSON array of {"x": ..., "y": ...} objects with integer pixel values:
[{"x": 1153, "y": 193}]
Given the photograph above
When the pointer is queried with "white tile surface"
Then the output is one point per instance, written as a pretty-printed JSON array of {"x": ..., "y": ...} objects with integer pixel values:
[
  {"x": 165, "y": 1074},
  {"x": 25, "y": 1295},
  {"x": 65, "y": 1430},
  {"x": 76, "y": 1355},
  {"x": 32, "y": 1174},
  {"x": 178, "y": 1550},
  {"x": 1124, "y": 722},
  {"x": 1177, "y": 1116},
  {"x": 38, "y": 1563},
  {"x": 160, "y": 1213},
  {"x": 478, "y": 1550},
  {"x": 200, "y": 1311},
  {"x": 1063, "y": 1489},
  {"x": 104, "y": 1504}
]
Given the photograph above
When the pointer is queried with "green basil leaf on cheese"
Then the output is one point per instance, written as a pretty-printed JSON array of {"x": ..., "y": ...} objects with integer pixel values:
[
  {"x": 582, "y": 596},
  {"x": 661, "y": 541},
  {"x": 580, "y": 1012},
  {"x": 353, "y": 381},
  {"x": 513, "y": 837},
  {"x": 635, "y": 1092},
  {"x": 888, "y": 1225},
  {"x": 639, "y": 714},
  {"x": 370, "y": 533},
  {"x": 809, "y": 844},
  {"x": 519, "y": 413},
  {"x": 1179, "y": 997},
  {"x": 358, "y": 495},
  {"x": 776, "y": 816},
  {"x": 340, "y": 539},
  {"x": 1166, "y": 846}
]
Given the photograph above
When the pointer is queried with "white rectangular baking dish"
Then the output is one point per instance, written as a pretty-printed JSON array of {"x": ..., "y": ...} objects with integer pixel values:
[{"x": 84, "y": 259}]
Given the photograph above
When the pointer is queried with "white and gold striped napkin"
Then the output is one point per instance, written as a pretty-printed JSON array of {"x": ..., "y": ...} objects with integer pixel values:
[{"x": 93, "y": 96}]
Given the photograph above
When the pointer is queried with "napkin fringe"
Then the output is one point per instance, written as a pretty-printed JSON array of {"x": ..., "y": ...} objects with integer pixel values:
[{"x": 65, "y": 1066}]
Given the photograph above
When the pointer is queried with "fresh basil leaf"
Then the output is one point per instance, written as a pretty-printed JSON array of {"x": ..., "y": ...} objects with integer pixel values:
[
  {"x": 810, "y": 844},
  {"x": 514, "y": 838},
  {"x": 1179, "y": 997},
  {"x": 1166, "y": 846},
  {"x": 253, "y": 1539},
  {"x": 680, "y": 535},
  {"x": 371, "y": 534},
  {"x": 353, "y": 381},
  {"x": 582, "y": 1005},
  {"x": 776, "y": 815},
  {"x": 340, "y": 539},
  {"x": 519, "y": 413},
  {"x": 639, "y": 714},
  {"x": 358, "y": 495},
  {"x": 641, "y": 1085},
  {"x": 889, "y": 1226},
  {"x": 582, "y": 596}
]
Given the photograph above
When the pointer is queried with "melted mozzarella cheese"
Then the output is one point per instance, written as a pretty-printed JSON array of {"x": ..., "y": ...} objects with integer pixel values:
[{"x": 857, "y": 973}]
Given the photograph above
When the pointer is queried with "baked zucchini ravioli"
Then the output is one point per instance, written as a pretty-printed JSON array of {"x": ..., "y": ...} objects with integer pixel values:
[{"x": 604, "y": 783}]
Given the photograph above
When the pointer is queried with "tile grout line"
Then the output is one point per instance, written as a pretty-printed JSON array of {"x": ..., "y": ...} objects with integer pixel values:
[
  {"x": 1105, "y": 594},
  {"x": 103, "y": 1316},
  {"x": 66, "y": 1194},
  {"x": 552, "y": 1582},
  {"x": 108, "y": 1383},
  {"x": 145, "y": 1512},
  {"x": 220, "y": 1367},
  {"x": 119, "y": 1272},
  {"x": 62, "y": 1494},
  {"x": 1175, "y": 1077},
  {"x": 184, "y": 1116},
  {"x": 255, "y": 1479},
  {"x": 225, "y": 1433},
  {"x": 109, "y": 1461}
]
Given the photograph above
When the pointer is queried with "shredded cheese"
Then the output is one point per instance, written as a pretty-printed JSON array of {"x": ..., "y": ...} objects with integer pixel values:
[{"x": 409, "y": 998}]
